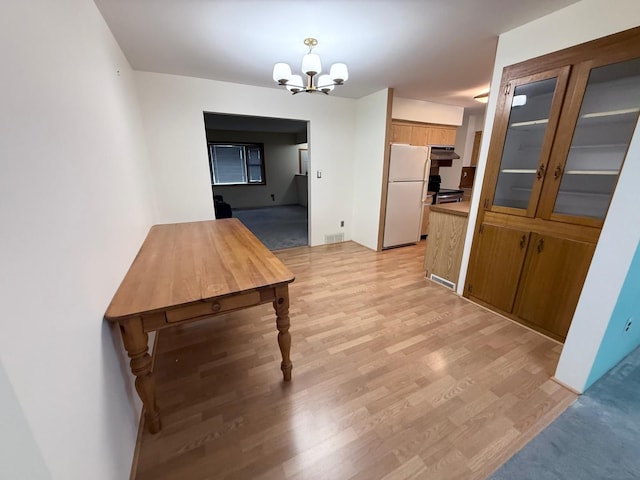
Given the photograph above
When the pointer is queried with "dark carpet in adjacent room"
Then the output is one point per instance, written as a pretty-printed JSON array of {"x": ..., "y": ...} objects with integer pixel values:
[
  {"x": 597, "y": 437},
  {"x": 283, "y": 226}
]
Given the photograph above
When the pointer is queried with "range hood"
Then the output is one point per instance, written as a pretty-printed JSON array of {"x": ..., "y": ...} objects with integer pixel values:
[{"x": 443, "y": 153}]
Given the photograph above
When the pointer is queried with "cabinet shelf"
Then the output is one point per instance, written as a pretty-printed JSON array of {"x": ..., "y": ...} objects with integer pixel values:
[
  {"x": 530, "y": 171},
  {"x": 529, "y": 123},
  {"x": 601, "y": 146},
  {"x": 591, "y": 172},
  {"x": 566, "y": 192},
  {"x": 518, "y": 170},
  {"x": 611, "y": 113}
]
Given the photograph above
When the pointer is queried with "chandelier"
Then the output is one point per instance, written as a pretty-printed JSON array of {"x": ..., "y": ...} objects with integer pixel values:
[{"x": 311, "y": 67}]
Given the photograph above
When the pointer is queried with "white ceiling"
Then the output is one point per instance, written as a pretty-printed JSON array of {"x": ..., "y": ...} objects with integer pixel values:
[{"x": 435, "y": 50}]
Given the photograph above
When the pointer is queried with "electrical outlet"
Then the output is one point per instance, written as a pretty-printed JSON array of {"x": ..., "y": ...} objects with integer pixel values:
[
  {"x": 273, "y": 197},
  {"x": 627, "y": 325},
  {"x": 342, "y": 223}
]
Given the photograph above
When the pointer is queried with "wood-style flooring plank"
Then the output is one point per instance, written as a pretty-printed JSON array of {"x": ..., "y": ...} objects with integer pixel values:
[{"x": 394, "y": 377}]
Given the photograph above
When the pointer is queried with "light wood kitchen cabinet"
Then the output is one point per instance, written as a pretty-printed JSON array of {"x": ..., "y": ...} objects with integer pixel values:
[
  {"x": 562, "y": 128},
  {"x": 551, "y": 282},
  {"x": 419, "y": 135},
  {"x": 445, "y": 240},
  {"x": 497, "y": 266},
  {"x": 414, "y": 133},
  {"x": 441, "y": 136},
  {"x": 400, "y": 133}
]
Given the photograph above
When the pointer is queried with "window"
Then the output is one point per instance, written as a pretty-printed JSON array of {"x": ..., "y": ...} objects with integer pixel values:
[{"x": 236, "y": 163}]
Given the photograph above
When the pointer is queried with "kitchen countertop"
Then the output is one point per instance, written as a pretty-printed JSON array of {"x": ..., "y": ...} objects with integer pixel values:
[
  {"x": 456, "y": 208},
  {"x": 429, "y": 198}
]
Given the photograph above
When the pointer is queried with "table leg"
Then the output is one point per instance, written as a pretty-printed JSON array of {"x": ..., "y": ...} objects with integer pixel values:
[
  {"x": 136, "y": 340},
  {"x": 281, "y": 305}
]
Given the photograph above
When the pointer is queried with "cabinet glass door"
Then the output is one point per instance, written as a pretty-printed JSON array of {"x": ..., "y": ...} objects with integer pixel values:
[
  {"x": 605, "y": 125},
  {"x": 533, "y": 111}
]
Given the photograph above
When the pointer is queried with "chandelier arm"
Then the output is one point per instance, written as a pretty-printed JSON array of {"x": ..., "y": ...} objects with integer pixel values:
[{"x": 329, "y": 85}]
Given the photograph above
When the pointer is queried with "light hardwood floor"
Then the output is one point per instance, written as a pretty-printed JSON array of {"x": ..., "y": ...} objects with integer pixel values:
[{"x": 394, "y": 377}]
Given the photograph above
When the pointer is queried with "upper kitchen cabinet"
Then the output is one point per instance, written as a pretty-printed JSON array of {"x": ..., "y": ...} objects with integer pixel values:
[
  {"x": 422, "y": 134},
  {"x": 441, "y": 136},
  {"x": 401, "y": 133},
  {"x": 563, "y": 125}
]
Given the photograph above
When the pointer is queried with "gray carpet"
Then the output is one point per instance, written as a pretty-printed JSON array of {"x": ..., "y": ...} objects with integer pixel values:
[
  {"x": 284, "y": 226},
  {"x": 598, "y": 437}
]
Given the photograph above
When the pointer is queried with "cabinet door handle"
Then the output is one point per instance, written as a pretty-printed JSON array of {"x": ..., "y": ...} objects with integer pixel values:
[
  {"x": 523, "y": 241},
  {"x": 540, "y": 245},
  {"x": 557, "y": 172},
  {"x": 540, "y": 172}
]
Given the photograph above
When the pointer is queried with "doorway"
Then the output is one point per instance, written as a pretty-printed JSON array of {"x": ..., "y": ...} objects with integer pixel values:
[{"x": 258, "y": 170}]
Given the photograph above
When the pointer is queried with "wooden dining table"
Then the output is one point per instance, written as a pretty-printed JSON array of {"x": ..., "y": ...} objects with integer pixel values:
[{"x": 185, "y": 272}]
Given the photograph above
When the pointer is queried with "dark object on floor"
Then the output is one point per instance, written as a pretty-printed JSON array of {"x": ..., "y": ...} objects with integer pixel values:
[
  {"x": 283, "y": 226},
  {"x": 595, "y": 438},
  {"x": 222, "y": 208}
]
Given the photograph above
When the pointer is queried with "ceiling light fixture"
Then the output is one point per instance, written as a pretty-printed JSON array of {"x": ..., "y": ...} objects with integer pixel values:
[
  {"x": 311, "y": 67},
  {"x": 482, "y": 98}
]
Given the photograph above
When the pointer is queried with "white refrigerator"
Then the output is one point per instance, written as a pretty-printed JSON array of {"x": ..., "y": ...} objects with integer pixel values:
[{"x": 408, "y": 166}]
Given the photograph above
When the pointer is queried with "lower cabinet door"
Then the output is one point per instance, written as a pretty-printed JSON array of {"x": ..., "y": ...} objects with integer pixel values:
[
  {"x": 551, "y": 283},
  {"x": 496, "y": 265}
]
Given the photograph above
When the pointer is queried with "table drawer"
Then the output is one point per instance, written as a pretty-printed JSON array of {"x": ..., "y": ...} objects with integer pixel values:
[{"x": 213, "y": 307}]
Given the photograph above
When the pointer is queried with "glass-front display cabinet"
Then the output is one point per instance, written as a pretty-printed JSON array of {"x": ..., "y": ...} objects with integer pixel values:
[{"x": 562, "y": 129}]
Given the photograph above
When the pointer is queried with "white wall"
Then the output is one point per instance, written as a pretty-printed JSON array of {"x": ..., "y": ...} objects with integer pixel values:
[
  {"x": 471, "y": 123},
  {"x": 172, "y": 109},
  {"x": 578, "y": 23},
  {"x": 74, "y": 210},
  {"x": 426, "y": 112},
  {"x": 371, "y": 121},
  {"x": 20, "y": 456},
  {"x": 281, "y": 165}
]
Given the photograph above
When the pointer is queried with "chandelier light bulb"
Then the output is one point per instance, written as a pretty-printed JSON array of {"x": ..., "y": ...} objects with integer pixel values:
[
  {"x": 281, "y": 73},
  {"x": 295, "y": 85},
  {"x": 325, "y": 83},
  {"x": 311, "y": 64},
  {"x": 339, "y": 73}
]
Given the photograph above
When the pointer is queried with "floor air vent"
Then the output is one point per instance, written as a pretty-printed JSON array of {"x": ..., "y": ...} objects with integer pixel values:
[
  {"x": 443, "y": 281},
  {"x": 334, "y": 238}
]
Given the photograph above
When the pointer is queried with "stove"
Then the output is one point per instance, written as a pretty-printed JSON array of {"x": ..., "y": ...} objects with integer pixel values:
[{"x": 445, "y": 195}]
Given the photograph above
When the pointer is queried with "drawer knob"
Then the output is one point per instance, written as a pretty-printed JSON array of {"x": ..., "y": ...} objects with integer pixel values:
[{"x": 215, "y": 307}]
